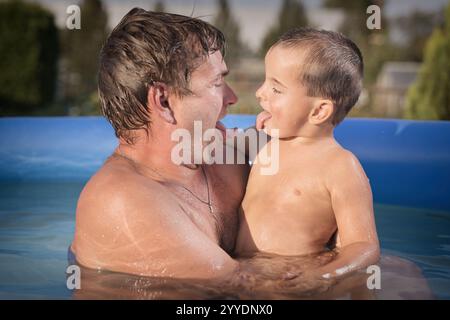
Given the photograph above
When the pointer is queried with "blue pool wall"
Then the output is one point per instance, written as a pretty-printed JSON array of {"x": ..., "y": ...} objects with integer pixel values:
[{"x": 407, "y": 162}]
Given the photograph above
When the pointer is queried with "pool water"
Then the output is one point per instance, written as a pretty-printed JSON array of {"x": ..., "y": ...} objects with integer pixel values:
[{"x": 37, "y": 224}]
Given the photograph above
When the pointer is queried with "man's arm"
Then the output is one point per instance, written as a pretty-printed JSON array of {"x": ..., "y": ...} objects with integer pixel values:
[
  {"x": 141, "y": 229},
  {"x": 352, "y": 204},
  {"x": 134, "y": 229}
]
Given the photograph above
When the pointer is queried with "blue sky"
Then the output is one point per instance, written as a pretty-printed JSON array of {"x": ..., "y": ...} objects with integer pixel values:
[{"x": 254, "y": 16}]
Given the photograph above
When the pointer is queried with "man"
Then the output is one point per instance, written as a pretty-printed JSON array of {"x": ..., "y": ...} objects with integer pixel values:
[
  {"x": 144, "y": 214},
  {"x": 141, "y": 213}
]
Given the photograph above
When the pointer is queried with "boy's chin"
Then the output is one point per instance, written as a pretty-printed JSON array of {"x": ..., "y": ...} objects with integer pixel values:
[
  {"x": 278, "y": 133},
  {"x": 272, "y": 132}
]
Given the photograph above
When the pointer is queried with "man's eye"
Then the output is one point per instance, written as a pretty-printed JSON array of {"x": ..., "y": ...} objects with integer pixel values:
[
  {"x": 276, "y": 91},
  {"x": 218, "y": 85}
]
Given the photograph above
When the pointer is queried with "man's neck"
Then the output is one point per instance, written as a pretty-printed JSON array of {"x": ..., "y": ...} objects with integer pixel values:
[{"x": 153, "y": 151}]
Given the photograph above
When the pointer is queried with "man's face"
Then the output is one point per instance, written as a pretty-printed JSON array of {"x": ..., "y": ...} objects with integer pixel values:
[
  {"x": 284, "y": 99},
  {"x": 210, "y": 96}
]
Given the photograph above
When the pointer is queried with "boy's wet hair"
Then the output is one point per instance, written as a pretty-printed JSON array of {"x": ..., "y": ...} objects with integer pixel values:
[
  {"x": 146, "y": 48},
  {"x": 332, "y": 66}
]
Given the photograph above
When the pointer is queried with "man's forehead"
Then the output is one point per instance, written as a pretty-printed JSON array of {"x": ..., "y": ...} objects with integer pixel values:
[{"x": 213, "y": 65}]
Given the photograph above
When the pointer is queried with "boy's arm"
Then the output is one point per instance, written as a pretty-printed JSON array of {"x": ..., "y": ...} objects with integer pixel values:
[{"x": 351, "y": 199}]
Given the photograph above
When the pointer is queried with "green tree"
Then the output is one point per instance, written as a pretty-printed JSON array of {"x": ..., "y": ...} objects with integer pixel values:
[
  {"x": 429, "y": 96},
  {"x": 374, "y": 44},
  {"x": 226, "y": 23},
  {"x": 28, "y": 57},
  {"x": 417, "y": 28},
  {"x": 292, "y": 14},
  {"x": 159, "y": 6},
  {"x": 81, "y": 49},
  {"x": 354, "y": 24}
]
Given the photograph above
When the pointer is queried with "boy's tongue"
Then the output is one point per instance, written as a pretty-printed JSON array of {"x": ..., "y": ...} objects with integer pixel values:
[{"x": 261, "y": 118}]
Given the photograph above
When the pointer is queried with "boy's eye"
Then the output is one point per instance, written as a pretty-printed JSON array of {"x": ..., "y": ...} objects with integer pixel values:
[
  {"x": 276, "y": 91},
  {"x": 218, "y": 85}
]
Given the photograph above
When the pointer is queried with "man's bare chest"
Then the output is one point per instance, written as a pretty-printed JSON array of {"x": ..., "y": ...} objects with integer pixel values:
[{"x": 215, "y": 215}]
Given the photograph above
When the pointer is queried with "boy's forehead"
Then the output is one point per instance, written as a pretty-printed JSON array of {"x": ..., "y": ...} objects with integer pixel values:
[
  {"x": 287, "y": 61},
  {"x": 287, "y": 55}
]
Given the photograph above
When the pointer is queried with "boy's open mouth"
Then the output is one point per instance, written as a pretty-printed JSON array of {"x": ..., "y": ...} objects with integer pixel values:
[{"x": 261, "y": 119}]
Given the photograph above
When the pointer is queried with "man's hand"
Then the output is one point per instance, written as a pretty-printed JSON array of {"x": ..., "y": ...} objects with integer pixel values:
[{"x": 279, "y": 277}]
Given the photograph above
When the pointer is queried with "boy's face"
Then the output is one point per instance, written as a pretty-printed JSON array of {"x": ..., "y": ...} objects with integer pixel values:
[{"x": 282, "y": 96}]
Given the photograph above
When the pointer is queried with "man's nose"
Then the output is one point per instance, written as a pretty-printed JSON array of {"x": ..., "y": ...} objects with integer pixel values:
[{"x": 230, "y": 96}]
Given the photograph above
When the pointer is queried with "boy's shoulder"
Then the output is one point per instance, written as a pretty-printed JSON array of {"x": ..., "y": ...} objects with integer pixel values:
[
  {"x": 342, "y": 156},
  {"x": 344, "y": 167}
]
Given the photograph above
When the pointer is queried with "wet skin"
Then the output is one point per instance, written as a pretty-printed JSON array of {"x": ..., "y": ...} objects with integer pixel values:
[
  {"x": 319, "y": 189},
  {"x": 133, "y": 216}
]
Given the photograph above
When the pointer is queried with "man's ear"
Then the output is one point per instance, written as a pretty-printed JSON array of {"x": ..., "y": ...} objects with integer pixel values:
[
  {"x": 158, "y": 101},
  {"x": 321, "y": 112}
]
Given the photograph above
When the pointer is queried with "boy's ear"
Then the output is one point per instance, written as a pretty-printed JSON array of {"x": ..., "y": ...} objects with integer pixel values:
[
  {"x": 322, "y": 111},
  {"x": 158, "y": 101}
]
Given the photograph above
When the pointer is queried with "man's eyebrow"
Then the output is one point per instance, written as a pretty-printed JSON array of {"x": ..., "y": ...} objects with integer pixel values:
[
  {"x": 222, "y": 74},
  {"x": 277, "y": 81}
]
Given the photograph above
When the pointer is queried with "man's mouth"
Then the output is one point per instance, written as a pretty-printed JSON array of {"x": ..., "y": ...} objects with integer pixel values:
[
  {"x": 221, "y": 127},
  {"x": 261, "y": 119}
]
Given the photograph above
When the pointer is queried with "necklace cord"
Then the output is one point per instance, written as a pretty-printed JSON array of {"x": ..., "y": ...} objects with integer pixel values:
[{"x": 208, "y": 203}]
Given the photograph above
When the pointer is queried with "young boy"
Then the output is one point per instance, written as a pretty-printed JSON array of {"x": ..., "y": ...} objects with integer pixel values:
[{"x": 320, "y": 193}]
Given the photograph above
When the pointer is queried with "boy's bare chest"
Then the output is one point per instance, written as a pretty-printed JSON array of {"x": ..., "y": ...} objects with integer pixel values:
[
  {"x": 294, "y": 183},
  {"x": 293, "y": 206}
]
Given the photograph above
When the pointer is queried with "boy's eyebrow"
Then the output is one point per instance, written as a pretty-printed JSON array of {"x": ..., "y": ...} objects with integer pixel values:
[{"x": 278, "y": 82}]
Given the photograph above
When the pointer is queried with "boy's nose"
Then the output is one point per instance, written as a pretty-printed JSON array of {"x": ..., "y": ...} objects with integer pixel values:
[{"x": 259, "y": 92}]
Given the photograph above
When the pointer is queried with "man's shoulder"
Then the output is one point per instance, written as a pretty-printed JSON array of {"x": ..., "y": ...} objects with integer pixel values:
[{"x": 115, "y": 187}]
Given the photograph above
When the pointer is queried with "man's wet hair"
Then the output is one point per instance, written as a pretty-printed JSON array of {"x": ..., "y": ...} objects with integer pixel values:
[
  {"x": 332, "y": 66},
  {"x": 146, "y": 48}
]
